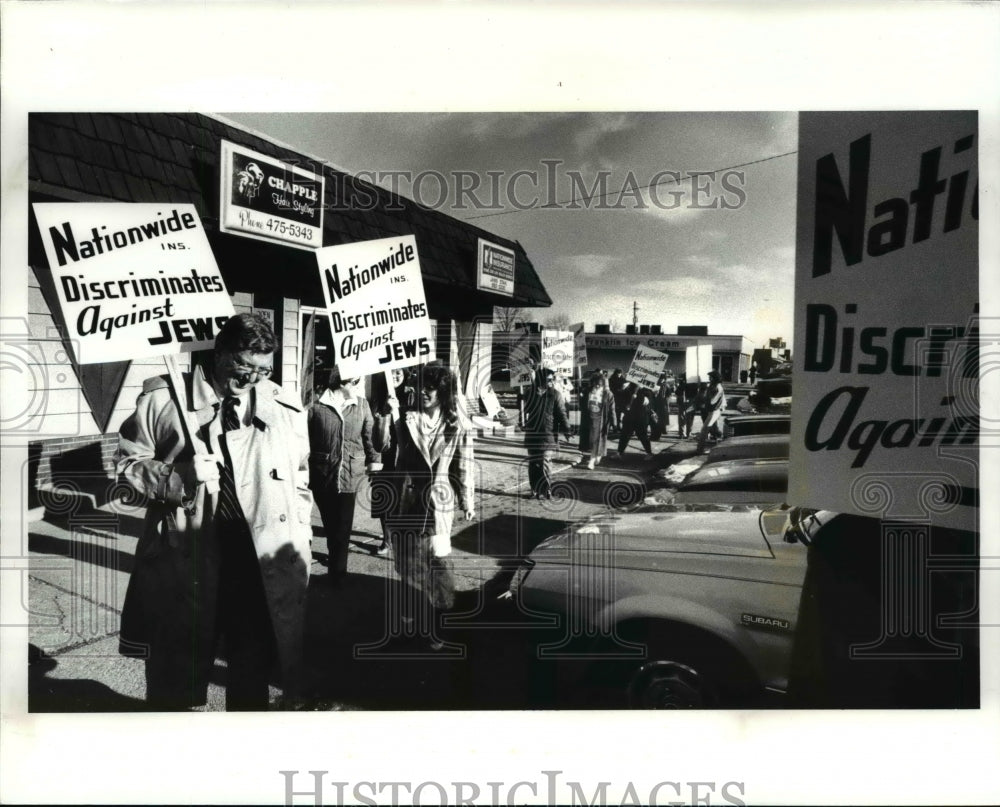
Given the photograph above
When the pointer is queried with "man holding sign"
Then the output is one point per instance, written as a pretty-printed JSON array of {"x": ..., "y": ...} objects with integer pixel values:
[{"x": 225, "y": 547}]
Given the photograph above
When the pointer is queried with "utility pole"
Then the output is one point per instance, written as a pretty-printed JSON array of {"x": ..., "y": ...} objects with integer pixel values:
[{"x": 635, "y": 313}]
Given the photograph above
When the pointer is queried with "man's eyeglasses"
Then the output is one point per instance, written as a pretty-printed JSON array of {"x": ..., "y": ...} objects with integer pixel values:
[{"x": 249, "y": 370}]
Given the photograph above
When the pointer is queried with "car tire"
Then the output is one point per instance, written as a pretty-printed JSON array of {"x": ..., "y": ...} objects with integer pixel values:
[
  {"x": 670, "y": 685},
  {"x": 684, "y": 668}
]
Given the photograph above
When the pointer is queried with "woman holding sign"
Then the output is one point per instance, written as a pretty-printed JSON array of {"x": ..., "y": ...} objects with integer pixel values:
[
  {"x": 432, "y": 479},
  {"x": 391, "y": 404}
]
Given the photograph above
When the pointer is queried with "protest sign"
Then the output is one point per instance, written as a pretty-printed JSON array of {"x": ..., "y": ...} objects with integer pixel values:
[
  {"x": 132, "y": 281},
  {"x": 697, "y": 363},
  {"x": 579, "y": 345},
  {"x": 885, "y": 414},
  {"x": 490, "y": 401},
  {"x": 557, "y": 351},
  {"x": 264, "y": 198},
  {"x": 375, "y": 300},
  {"x": 647, "y": 366}
]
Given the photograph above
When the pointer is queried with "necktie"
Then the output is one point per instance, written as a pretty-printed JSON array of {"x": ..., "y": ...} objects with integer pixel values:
[{"x": 229, "y": 504}]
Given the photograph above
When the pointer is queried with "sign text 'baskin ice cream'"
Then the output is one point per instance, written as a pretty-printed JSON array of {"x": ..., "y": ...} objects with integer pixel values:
[
  {"x": 375, "y": 299},
  {"x": 132, "y": 281},
  {"x": 495, "y": 268},
  {"x": 885, "y": 417},
  {"x": 270, "y": 200}
]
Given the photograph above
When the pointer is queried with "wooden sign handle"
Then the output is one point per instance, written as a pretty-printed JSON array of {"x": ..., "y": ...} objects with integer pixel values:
[{"x": 188, "y": 423}]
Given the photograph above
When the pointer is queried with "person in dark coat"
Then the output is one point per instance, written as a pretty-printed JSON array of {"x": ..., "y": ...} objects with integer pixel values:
[
  {"x": 694, "y": 403},
  {"x": 340, "y": 454},
  {"x": 225, "y": 549},
  {"x": 545, "y": 419},
  {"x": 390, "y": 406},
  {"x": 661, "y": 407},
  {"x": 638, "y": 420},
  {"x": 616, "y": 383},
  {"x": 597, "y": 413},
  {"x": 682, "y": 406}
]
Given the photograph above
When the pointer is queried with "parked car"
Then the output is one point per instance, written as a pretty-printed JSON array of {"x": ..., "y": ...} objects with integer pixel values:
[
  {"x": 671, "y": 607},
  {"x": 752, "y": 446},
  {"x": 744, "y": 481},
  {"x": 757, "y": 424},
  {"x": 776, "y": 387}
]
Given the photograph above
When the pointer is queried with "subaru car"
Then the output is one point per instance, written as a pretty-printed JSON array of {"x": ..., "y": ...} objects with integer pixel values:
[{"x": 668, "y": 606}]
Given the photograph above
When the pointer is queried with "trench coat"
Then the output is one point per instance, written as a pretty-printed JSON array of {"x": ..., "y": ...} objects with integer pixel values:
[
  {"x": 594, "y": 431},
  {"x": 430, "y": 483},
  {"x": 170, "y": 606}
]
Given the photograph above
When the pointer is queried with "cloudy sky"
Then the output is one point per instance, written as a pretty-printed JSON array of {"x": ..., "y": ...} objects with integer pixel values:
[{"x": 613, "y": 216}]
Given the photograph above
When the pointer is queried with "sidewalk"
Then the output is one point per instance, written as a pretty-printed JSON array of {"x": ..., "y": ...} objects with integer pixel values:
[{"x": 80, "y": 559}]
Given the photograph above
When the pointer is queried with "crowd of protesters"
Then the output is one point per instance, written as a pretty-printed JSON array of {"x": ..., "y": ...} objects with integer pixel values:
[{"x": 231, "y": 474}]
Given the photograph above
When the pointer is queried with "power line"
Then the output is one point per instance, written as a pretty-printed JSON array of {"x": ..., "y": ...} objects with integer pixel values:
[{"x": 668, "y": 180}]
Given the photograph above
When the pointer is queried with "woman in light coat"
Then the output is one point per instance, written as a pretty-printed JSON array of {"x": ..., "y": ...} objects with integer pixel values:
[
  {"x": 432, "y": 480},
  {"x": 597, "y": 414}
]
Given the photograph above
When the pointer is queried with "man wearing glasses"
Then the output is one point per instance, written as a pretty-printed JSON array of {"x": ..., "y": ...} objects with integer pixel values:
[{"x": 225, "y": 549}]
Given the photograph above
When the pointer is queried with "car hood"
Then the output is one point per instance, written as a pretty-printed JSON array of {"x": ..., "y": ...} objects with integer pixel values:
[{"x": 667, "y": 530}]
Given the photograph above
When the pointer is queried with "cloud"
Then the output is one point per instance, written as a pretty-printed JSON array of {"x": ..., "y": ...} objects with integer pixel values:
[
  {"x": 589, "y": 266},
  {"x": 784, "y": 254},
  {"x": 682, "y": 289},
  {"x": 700, "y": 261},
  {"x": 604, "y": 124}
]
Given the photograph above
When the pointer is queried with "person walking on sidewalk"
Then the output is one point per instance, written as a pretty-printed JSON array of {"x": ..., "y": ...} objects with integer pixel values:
[
  {"x": 682, "y": 407},
  {"x": 617, "y": 386},
  {"x": 392, "y": 404},
  {"x": 660, "y": 407},
  {"x": 341, "y": 450},
  {"x": 597, "y": 413},
  {"x": 225, "y": 548},
  {"x": 432, "y": 480},
  {"x": 715, "y": 401},
  {"x": 638, "y": 420},
  {"x": 695, "y": 395},
  {"x": 545, "y": 419}
]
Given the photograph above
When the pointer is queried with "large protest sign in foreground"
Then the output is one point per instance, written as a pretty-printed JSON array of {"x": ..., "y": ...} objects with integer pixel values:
[
  {"x": 375, "y": 299},
  {"x": 886, "y": 406},
  {"x": 133, "y": 281}
]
